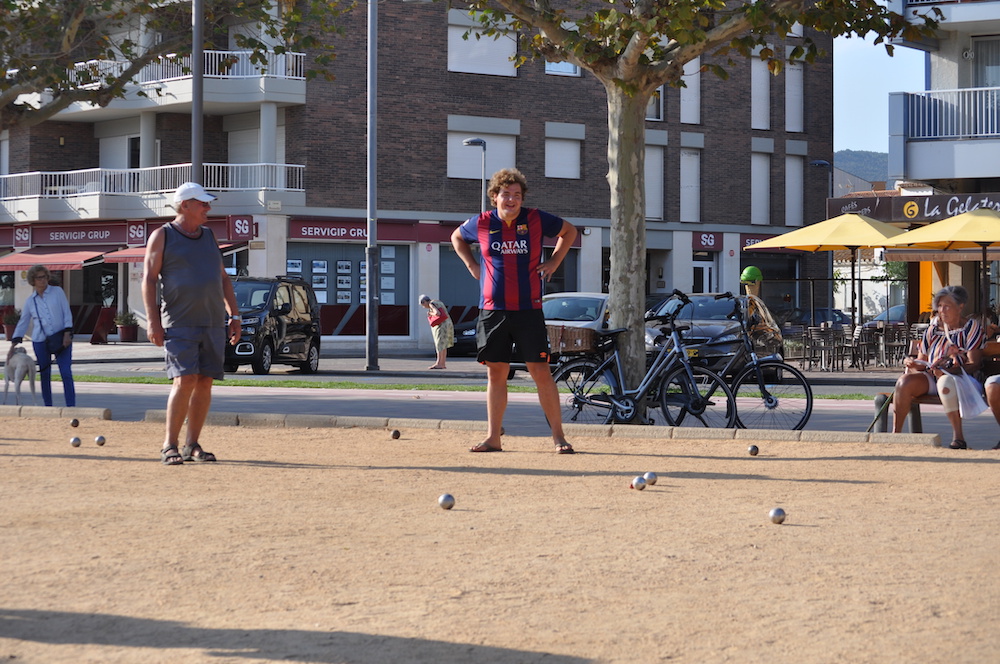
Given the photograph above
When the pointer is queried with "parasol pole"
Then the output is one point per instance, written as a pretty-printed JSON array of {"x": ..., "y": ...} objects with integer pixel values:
[
  {"x": 985, "y": 296},
  {"x": 854, "y": 293}
]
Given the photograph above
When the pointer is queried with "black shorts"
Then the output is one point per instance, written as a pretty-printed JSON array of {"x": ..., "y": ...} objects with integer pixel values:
[{"x": 498, "y": 331}]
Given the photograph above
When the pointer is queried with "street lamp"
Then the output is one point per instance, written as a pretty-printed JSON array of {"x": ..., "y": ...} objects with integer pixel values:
[
  {"x": 479, "y": 142},
  {"x": 371, "y": 213}
]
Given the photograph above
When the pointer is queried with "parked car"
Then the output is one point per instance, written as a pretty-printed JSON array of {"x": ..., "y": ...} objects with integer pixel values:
[
  {"x": 892, "y": 316},
  {"x": 280, "y": 324},
  {"x": 713, "y": 336},
  {"x": 465, "y": 339},
  {"x": 804, "y": 316}
]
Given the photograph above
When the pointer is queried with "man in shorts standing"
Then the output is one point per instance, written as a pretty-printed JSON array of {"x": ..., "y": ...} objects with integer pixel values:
[
  {"x": 183, "y": 259},
  {"x": 510, "y": 306}
]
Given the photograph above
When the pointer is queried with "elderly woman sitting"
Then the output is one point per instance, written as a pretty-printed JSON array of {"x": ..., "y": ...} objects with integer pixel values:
[{"x": 951, "y": 343}]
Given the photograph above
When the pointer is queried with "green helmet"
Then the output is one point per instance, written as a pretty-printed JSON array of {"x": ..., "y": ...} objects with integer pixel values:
[{"x": 751, "y": 274}]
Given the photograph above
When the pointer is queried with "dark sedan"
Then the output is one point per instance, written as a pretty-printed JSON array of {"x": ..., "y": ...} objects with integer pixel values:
[{"x": 714, "y": 334}]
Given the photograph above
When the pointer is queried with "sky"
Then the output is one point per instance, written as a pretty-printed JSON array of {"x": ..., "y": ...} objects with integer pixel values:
[{"x": 863, "y": 77}]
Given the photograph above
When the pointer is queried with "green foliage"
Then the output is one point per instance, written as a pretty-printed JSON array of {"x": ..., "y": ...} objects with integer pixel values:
[
  {"x": 126, "y": 318},
  {"x": 893, "y": 271},
  {"x": 12, "y": 316},
  {"x": 68, "y": 51},
  {"x": 870, "y": 166}
]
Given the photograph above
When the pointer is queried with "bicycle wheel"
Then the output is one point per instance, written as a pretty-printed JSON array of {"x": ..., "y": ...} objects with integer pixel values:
[
  {"x": 585, "y": 392},
  {"x": 707, "y": 403},
  {"x": 785, "y": 403}
]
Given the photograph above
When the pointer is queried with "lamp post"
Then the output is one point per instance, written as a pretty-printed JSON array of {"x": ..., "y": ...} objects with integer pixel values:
[
  {"x": 197, "y": 88},
  {"x": 371, "y": 248},
  {"x": 479, "y": 142},
  {"x": 823, "y": 163}
]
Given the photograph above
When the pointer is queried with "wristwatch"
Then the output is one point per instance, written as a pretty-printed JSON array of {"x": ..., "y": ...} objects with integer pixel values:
[{"x": 239, "y": 318}]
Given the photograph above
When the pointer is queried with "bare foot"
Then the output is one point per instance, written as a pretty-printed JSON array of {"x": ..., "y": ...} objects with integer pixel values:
[
  {"x": 564, "y": 448},
  {"x": 434, "y": 366},
  {"x": 485, "y": 446}
]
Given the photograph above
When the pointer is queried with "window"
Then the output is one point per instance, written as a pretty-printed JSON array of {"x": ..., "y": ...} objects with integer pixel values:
[
  {"x": 466, "y": 161},
  {"x": 691, "y": 95},
  {"x": 654, "y": 181},
  {"x": 654, "y": 110},
  {"x": 794, "y": 120},
  {"x": 986, "y": 62},
  {"x": 561, "y": 69},
  {"x": 562, "y": 158},
  {"x": 760, "y": 188},
  {"x": 478, "y": 54},
  {"x": 760, "y": 94},
  {"x": 690, "y": 182},
  {"x": 794, "y": 183}
]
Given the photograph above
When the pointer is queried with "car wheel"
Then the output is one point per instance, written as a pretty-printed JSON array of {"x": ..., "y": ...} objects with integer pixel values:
[
  {"x": 231, "y": 367},
  {"x": 311, "y": 365},
  {"x": 261, "y": 362}
]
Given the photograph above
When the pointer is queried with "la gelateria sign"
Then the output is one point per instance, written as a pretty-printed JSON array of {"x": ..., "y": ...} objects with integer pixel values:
[{"x": 913, "y": 208}]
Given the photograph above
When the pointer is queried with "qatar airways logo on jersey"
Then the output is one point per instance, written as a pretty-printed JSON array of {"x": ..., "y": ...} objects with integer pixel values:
[{"x": 509, "y": 247}]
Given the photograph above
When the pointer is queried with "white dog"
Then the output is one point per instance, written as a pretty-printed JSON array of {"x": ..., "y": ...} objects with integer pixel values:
[{"x": 19, "y": 365}]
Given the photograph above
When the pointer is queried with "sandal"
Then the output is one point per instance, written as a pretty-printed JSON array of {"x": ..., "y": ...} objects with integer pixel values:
[
  {"x": 188, "y": 453},
  {"x": 169, "y": 456},
  {"x": 483, "y": 447},
  {"x": 958, "y": 445},
  {"x": 564, "y": 448}
]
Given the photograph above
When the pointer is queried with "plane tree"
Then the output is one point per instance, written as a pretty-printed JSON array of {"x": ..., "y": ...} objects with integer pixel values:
[
  {"x": 60, "y": 52},
  {"x": 635, "y": 46}
]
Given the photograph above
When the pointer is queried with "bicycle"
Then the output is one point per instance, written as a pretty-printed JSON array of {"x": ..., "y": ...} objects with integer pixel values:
[
  {"x": 672, "y": 387},
  {"x": 770, "y": 394}
]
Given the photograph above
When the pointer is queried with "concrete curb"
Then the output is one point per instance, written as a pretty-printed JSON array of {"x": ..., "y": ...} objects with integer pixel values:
[
  {"x": 274, "y": 420},
  {"x": 54, "y": 412}
]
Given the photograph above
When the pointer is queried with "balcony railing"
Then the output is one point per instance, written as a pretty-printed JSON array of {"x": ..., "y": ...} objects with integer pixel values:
[
  {"x": 156, "y": 180},
  {"x": 215, "y": 64},
  {"x": 953, "y": 114}
]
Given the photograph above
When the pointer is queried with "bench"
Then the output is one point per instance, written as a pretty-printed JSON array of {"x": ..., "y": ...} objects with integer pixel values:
[{"x": 990, "y": 367}]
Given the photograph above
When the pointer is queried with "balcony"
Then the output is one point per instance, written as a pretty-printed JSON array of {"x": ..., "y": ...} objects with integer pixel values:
[
  {"x": 944, "y": 134},
  {"x": 119, "y": 193},
  {"x": 232, "y": 84}
]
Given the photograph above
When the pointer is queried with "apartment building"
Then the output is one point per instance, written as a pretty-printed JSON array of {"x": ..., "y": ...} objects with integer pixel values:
[
  {"x": 947, "y": 137},
  {"x": 727, "y": 164}
]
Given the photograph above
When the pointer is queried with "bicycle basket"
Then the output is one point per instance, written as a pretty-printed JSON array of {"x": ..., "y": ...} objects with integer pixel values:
[{"x": 563, "y": 339}]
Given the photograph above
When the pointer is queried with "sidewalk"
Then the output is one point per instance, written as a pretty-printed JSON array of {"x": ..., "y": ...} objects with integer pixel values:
[{"x": 415, "y": 365}]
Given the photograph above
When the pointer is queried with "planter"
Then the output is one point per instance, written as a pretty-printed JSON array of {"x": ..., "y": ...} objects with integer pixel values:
[
  {"x": 128, "y": 332},
  {"x": 8, "y": 330}
]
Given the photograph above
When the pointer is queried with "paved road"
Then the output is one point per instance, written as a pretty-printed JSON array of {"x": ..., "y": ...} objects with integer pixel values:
[{"x": 524, "y": 417}]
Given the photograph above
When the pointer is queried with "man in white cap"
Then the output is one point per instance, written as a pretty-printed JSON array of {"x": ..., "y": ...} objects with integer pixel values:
[{"x": 183, "y": 259}]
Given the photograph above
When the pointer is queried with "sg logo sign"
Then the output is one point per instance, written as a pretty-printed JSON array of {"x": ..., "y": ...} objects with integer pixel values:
[{"x": 241, "y": 227}]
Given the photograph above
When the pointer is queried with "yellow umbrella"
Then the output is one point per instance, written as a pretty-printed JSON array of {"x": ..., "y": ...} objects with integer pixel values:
[
  {"x": 847, "y": 231},
  {"x": 978, "y": 228}
]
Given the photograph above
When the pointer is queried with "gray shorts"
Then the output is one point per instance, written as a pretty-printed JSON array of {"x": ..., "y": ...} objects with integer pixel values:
[{"x": 195, "y": 350}]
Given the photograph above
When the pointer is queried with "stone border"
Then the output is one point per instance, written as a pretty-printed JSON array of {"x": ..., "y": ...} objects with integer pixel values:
[
  {"x": 621, "y": 431},
  {"x": 54, "y": 412}
]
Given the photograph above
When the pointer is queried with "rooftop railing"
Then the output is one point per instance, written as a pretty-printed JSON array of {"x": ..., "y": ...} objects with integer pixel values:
[
  {"x": 953, "y": 114},
  {"x": 145, "y": 181}
]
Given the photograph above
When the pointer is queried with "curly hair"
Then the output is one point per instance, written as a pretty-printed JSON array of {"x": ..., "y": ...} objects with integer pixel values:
[
  {"x": 34, "y": 271},
  {"x": 504, "y": 178}
]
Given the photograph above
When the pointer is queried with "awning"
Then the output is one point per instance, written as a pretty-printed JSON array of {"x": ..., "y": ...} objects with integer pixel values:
[
  {"x": 130, "y": 255},
  {"x": 913, "y": 254},
  {"x": 138, "y": 254},
  {"x": 54, "y": 258}
]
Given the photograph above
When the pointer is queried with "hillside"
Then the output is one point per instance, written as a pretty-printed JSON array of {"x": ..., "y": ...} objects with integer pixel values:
[{"x": 870, "y": 166}]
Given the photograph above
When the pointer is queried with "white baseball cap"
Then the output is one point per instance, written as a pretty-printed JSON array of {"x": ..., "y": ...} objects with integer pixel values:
[{"x": 190, "y": 190}]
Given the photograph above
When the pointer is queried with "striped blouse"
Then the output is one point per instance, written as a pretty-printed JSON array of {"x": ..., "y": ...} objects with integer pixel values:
[{"x": 936, "y": 342}]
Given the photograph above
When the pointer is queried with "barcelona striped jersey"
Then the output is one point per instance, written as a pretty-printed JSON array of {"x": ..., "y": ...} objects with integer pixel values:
[{"x": 511, "y": 254}]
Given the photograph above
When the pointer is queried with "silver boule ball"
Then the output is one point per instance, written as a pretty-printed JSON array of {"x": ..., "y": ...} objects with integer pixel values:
[
  {"x": 395, "y": 434},
  {"x": 74, "y": 441},
  {"x": 753, "y": 450},
  {"x": 638, "y": 483},
  {"x": 446, "y": 501},
  {"x": 777, "y": 515},
  {"x": 74, "y": 422},
  {"x": 99, "y": 440},
  {"x": 650, "y": 478}
]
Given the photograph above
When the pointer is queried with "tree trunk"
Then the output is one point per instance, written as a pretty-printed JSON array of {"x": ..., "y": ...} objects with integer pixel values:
[{"x": 626, "y": 175}]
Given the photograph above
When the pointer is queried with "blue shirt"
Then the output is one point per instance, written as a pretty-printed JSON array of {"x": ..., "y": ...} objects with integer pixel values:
[{"x": 48, "y": 313}]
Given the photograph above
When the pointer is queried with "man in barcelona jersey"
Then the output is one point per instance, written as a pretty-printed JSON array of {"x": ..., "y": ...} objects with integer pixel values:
[{"x": 510, "y": 306}]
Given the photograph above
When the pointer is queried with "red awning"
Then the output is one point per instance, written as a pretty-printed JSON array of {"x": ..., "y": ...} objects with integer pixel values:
[
  {"x": 130, "y": 255},
  {"x": 54, "y": 258}
]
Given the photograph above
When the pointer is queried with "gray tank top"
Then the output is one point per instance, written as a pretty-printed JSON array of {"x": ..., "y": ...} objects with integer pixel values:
[{"x": 190, "y": 280}]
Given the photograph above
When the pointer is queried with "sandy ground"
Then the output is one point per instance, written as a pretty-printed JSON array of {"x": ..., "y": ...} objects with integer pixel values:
[{"x": 328, "y": 545}]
